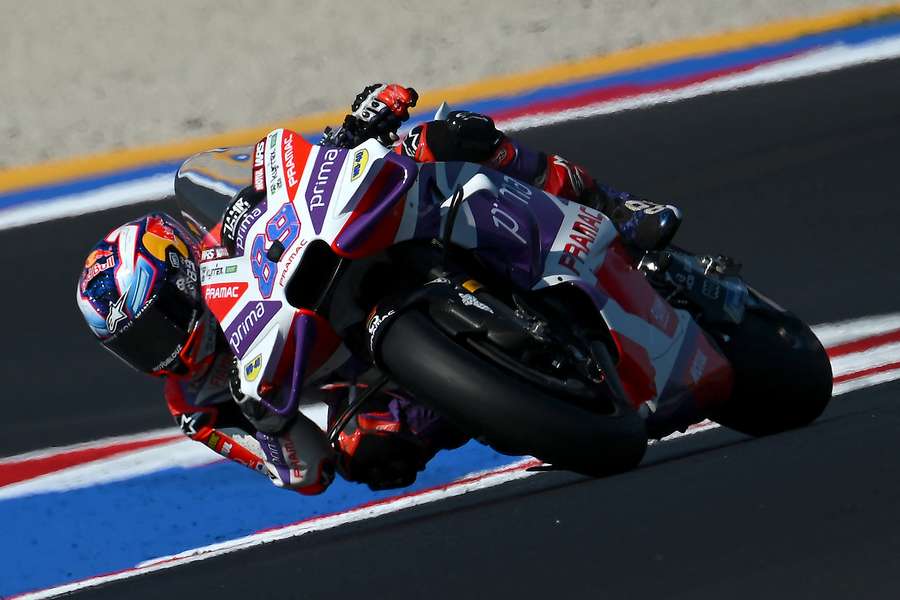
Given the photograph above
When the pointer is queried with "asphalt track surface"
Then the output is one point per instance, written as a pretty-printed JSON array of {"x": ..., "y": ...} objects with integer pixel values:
[{"x": 798, "y": 179}]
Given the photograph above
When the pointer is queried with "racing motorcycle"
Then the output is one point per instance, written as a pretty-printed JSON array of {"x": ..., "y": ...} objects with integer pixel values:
[{"x": 519, "y": 316}]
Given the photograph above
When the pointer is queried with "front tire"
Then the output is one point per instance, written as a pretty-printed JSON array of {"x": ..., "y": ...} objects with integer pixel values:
[
  {"x": 513, "y": 417},
  {"x": 783, "y": 376}
]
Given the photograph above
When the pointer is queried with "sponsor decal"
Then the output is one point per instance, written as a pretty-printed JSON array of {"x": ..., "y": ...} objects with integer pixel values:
[
  {"x": 297, "y": 466},
  {"x": 96, "y": 255},
  {"x": 97, "y": 262},
  {"x": 259, "y": 180},
  {"x": 222, "y": 297},
  {"x": 226, "y": 449},
  {"x": 249, "y": 323},
  {"x": 233, "y": 214},
  {"x": 244, "y": 227},
  {"x": 376, "y": 321},
  {"x": 471, "y": 300},
  {"x": 573, "y": 172},
  {"x": 167, "y": 362},
  {"x": 360, "y": 160},
  {"x": 259, "y": 166},
  {"x": 211, "y": 272},
  {"x": 582, "y": 235},
  {"x": 117, "y": 312},
  {"x": 288, "y": 140},
  {"x": 411, "y": 144},
  {"x": 253, "y": 368},
  {"x": 213, "y": 254},
  {"x": 213, "y": 441},
  {"x": 192, "y": 423},
  {"x": 275, "y": 181},
  {"x": 321, "y": 184},
  {"x": 514, "y": 189},
  {"x": 290, "y": 260},
  {"x": 259, "y": 155}
]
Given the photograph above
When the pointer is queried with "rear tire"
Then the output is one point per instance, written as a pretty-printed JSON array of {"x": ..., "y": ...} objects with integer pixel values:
[
  {"x": 783, "y": 375},
  {"x": 487, "y": 402}
]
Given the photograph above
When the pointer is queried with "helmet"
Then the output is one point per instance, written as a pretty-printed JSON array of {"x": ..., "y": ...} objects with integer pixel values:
[{"x": 140, "y": 295}]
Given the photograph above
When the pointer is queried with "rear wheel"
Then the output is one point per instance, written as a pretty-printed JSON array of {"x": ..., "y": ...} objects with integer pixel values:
[
  {"x": 783, "y": 375},
  {"x": 512, "y": 414}
]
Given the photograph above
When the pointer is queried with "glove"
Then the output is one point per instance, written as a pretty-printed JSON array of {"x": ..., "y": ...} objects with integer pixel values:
[
  {"x": 299, "y": 457},
  {"x": 476, "y": 135},
  {"x": 383, "y": 462},
  {"x": 376, "y": 449},
  {"x": 377, "y": 113}
]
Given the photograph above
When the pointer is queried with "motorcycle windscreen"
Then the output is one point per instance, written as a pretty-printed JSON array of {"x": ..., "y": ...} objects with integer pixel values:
[{"x": 208, "y": 181}]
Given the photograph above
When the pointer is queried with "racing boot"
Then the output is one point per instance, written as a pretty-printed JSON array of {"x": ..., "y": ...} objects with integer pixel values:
[{"x": 644, "y": 225}]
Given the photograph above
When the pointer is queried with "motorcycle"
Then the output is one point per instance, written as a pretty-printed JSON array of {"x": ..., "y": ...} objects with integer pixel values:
[{"x": 519, "y": 316}]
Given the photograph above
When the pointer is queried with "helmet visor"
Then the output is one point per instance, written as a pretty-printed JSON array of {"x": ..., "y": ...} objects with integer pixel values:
[{"x": 153, "y": 341}]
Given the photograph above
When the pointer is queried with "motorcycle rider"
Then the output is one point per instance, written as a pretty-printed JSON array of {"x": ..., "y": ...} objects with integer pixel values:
[{"x": 139, "y": 293}]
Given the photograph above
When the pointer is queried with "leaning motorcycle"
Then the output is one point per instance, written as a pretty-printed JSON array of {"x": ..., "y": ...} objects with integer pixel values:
[{"x": 519, "y": 316}]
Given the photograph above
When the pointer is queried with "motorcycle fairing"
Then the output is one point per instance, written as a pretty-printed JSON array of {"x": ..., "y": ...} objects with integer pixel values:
[
  {"x": 350, "y": 199},
  {"x": 665, "y": 360},
  {"x": 362, "y": 200}
]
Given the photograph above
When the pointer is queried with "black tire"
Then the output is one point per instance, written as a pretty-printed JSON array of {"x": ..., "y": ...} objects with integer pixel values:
[
  {"x": 783, "y": 375},
  {"x": 489, "y": 403}
]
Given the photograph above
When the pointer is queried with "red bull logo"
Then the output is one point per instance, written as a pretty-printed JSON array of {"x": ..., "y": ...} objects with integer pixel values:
[{"x": 97, "y": 262}]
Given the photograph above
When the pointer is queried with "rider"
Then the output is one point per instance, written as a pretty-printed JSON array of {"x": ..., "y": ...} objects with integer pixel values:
[{"x": 140, "y": 295}]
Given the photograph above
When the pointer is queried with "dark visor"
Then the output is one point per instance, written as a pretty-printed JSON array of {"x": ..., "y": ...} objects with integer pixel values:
[{"x": 153, "y": 340}]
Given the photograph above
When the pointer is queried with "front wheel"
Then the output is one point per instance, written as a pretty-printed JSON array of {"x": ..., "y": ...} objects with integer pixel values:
[
  {"x": 513, "y": 416},
  {"x": 783, "y": 376}
]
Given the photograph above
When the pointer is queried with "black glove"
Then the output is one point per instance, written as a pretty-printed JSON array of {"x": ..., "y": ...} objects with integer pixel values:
[
  {"x": 377, "y": 113},
  {"x": 384, "y": 461},
  {"x": 475, "y": 133}
]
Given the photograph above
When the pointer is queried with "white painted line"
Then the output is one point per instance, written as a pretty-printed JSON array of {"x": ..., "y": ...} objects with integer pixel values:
[
  {"x": 813, "y": 63},
  {"x": 834, "y": 334},
  {"x": 867, "y": 359},
  {"x": 127, "y": 193},
  {"x": 859, "y": 383}
]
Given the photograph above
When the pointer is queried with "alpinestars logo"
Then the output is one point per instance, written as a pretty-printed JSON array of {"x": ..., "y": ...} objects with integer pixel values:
[
  {"x": 233, "y": 215},
  {"x": 117, "y": 313},
  {"x": 411, "y": 143}
]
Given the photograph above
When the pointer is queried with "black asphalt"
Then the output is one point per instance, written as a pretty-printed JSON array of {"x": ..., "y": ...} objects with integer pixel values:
[{"x": 798, "y": 179}]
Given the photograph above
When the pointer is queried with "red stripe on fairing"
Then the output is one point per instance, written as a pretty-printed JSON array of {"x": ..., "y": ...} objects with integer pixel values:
[
  {"x": 866, "y": 372},
  {"x": 618, "y": 92},
  {"x": 864, "y": 344},
  {"x": 16, "y": 471}
]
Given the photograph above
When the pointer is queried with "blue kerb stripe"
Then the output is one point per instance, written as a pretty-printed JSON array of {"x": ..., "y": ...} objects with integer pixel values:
[
  {"x": 645, "y": 76},
  {"x": 87, "y": 184},
  {"x": 56, "y": 538}
]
